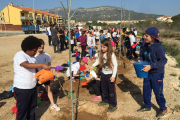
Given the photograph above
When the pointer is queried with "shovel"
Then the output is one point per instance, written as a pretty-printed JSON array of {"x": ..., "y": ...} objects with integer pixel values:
[{"x": 57, "y": 68}]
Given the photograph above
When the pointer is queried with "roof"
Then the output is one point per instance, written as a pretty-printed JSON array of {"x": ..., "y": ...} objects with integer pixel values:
[
  {"x": 24, "y": 8},
  {"x": 37, "y": 11}
]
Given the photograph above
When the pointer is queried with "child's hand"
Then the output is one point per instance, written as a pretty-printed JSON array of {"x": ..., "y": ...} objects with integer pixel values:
[
  {"x": 98, "y": 79},
  {"x": 112, "y": 79},
  {"x": 46, "y": 67},
  {"x": 83, "y": 74},
  {"x": 91, "y": 68},
  {"x": 146, "y": 68},
  {"x": 139, "y": 61}
]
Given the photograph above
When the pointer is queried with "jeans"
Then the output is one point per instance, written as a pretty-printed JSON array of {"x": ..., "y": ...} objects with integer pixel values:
[{"x": 92, "y": 51}]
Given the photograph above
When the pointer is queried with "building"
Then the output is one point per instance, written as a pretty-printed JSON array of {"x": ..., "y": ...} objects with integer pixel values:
[
  {"x": 60, "y": 21},
  {"x": 165, "y": 19},
  {"x": 16, "y": 15}
]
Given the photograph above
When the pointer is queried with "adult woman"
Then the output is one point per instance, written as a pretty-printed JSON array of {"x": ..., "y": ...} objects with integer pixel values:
[{"x": 62, "y": 37}]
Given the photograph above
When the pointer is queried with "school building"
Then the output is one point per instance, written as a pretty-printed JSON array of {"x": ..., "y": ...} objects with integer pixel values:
[{"x": 16, "y": 16}]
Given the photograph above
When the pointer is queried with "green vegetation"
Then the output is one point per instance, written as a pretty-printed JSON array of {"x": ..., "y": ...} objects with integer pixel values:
[
  {"x": 175, "y": 100},
  {"x": 173, "y": 50},
  {"x": 179, "y": 78},
  {"x": 176, "y": 89},
  {"x": 173, "y": 74}
]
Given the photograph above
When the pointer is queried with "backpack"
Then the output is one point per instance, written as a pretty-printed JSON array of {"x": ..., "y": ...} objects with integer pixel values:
[{"x": 47, "y": 33}]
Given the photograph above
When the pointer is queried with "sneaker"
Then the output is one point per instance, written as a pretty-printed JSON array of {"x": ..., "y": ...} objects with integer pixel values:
[
  {"x": 102, "y": 103},
  {"x": 91, "y": 58},
  {"x": 161, "y": 113},
  {"x": 74, "y": 80},
  {"x": 143, "y": 109},
  {"x": 111, "y": 108},
  {"x": 96, "y": 98},
  {"x": 94, "y": 57},
  {"x": 55, "y": 107}
]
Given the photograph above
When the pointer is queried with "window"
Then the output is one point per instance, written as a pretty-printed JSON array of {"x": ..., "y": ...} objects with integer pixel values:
[
  {"x": 22, "y": 14},
  {"x": 30, "y": 14},
  {"x": 38, "y": 16},
  {"x": 23, "y": 23}
]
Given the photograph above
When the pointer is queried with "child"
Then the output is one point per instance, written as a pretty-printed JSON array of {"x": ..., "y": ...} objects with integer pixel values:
[
  {"x": 96, "y": 88},
  {"x": 108, "y": 63},
  {"x": 25, "y": 66},
  {"x": 83, "y": 40},
  {"x": 132, "y": 39},
  {"x": 96, "y": 35},
  {"x": 108, "y": 35},
  {"x": 72, "y": 41},
  {"x": 75, "y": 68},
  {"x": 101, "y": 37},
  {"x": 42, "y": 57},
  {"x": 154, "y": 53},
  {"x": 91, "y": 46},
  {"x": 77, "y": 35}
]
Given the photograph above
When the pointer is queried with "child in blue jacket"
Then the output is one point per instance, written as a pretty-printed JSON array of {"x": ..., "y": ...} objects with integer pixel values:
[{"x": 153, "y": 52}]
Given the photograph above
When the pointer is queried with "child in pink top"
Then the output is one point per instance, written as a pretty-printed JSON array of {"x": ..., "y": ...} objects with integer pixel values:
[{"x": 113, "y": 45}]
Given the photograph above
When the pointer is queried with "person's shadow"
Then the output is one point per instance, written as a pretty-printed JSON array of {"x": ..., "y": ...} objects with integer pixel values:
[
  {"x": 57, "y": 92},
  {"x": 127, "y": 86}
]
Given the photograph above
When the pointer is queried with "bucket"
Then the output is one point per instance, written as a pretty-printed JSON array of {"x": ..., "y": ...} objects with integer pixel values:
[
  {"x": 44, "y": 76},
  {"x": 138, "y": 67}
]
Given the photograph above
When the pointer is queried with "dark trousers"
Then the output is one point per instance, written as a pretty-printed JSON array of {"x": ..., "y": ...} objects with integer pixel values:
[
  {"x": 49, "y": 39},
  {"x": 83, "y": 53},
  {"x": 72, "y": 47},
  {"x": 96, "y": 86},
  {"x": 57, "y": 48},
  {"x": 108, "y": 90},
  {"x": 132, "y": 51},
  {"x": 155, "y": 82},
  {"x": 62, "y": 44},
  {"x": 26, "y": 102},
  {"x": 66, "y": 44}
]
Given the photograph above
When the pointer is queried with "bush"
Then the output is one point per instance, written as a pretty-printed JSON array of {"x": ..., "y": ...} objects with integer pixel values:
[
  {"x": 173, "y": 50},
  {"x": 173, "y": 74}
]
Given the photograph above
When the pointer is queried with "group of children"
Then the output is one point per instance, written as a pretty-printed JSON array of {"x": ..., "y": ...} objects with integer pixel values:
[{"x": 32, "y": 58}]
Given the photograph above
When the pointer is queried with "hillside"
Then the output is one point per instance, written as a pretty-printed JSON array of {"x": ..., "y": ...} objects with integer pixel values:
[{"x": 101, "y": 13}]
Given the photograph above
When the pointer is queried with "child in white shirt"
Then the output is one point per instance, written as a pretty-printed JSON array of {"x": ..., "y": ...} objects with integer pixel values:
[
  {"x": 75, "y": 69},
  {"x": 24, "y": 82}
]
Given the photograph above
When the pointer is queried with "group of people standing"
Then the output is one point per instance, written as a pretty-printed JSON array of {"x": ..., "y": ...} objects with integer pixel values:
[{"x": 56, "y": 38}]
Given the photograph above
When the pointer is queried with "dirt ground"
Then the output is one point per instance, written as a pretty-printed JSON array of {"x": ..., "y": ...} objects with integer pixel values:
[{"x": 128, "y": 89}]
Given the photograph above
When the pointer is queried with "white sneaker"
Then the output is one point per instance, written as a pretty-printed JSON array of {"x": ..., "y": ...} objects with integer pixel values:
[{"x": 55, "y": 107}]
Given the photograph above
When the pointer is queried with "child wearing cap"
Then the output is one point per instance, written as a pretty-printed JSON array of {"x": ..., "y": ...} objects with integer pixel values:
[
  {"x": 91, "y": 46},
  {"x": 153, "y": 52},
  {"x": 75, "y": 69}
]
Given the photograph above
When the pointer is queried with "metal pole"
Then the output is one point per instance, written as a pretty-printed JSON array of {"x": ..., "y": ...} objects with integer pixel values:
[
  {"x": 120, "y": 38},
  {"x": 69, "y": 11},
  {"x": 34, "y": 17},
  {"x": 124, "y": 13}
]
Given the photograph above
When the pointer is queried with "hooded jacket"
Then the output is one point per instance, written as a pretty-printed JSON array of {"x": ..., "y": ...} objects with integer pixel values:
[{"x": 155, "y": 54}]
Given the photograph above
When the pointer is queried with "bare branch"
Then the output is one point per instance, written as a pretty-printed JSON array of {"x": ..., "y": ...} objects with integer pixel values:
[
  {"x": 73, "y": 14},
  {"x": 63, "y": 7}
]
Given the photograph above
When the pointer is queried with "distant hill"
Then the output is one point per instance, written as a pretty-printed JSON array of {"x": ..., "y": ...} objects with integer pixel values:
[{"x": 107, "y": 13}]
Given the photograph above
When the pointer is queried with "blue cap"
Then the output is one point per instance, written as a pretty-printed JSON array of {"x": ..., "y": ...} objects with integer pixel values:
[{"x": 154, "y": 32}]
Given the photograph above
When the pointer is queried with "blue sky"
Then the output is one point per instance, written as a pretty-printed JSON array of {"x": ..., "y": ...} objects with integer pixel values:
[{"x": 160, "y": 7}]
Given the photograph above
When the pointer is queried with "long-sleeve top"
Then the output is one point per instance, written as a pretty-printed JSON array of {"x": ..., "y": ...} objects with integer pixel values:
[
  {"x": 105, "y": 69},
  {"x": 82, "y": 39},
  {"x": 91, "y": 41},
  {"x": 155, "y": 54}
]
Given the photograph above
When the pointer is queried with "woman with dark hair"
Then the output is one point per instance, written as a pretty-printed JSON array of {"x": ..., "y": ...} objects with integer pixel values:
[
  {"x": 83, "y": 40},
  {"x": 55, "y": 41},
  {"x": 62, "y": 37}
]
